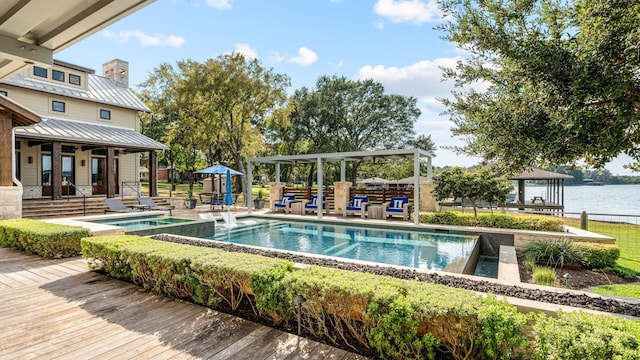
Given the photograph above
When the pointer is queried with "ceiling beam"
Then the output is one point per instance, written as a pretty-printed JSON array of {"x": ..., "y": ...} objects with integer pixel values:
[
  {"x": 25, "y": 52},
  {"x": 14, "y": 10},
  {"x": 74, "y": 21}
]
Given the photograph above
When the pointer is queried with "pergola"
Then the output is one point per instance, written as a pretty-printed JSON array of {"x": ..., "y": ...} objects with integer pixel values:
[
  {"x": 343, "y": 157},
  {"x": 555, "y": 184}
]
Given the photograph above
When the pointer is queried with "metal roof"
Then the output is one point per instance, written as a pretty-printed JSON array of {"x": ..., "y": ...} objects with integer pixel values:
[
  {"x": 31, "y": 31},
  {"x": 73, "y": 131},
  {"x": 100, "y": 89},
  {"x": 346, "y": 156},
  {"x": 539, "y": 174}
]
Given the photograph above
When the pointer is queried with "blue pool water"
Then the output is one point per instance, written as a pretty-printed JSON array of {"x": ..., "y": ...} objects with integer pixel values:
[
  {"x": 418, "y": 249},
  {"x": 137, "y": 223}
]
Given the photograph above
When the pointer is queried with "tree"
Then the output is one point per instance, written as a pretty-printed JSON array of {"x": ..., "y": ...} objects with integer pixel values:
[
  {"x": 342, "y": 115},
  {"x": 478, "y": 184},
  {"x": 219, "y": 108},
  {"x": 562, "y": 79}
]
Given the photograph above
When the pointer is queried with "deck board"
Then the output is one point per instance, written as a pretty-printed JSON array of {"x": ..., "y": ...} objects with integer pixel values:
[{"x": 58, "y": 309}]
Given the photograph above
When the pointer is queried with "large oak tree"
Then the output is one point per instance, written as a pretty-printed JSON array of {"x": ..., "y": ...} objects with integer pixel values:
[{"x": 564, "y": 80}]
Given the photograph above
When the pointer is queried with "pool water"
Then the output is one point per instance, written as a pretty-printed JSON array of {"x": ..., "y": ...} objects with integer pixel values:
[
  {"x": 137, "y": 223},
  {"x": 418, "y": 249}
]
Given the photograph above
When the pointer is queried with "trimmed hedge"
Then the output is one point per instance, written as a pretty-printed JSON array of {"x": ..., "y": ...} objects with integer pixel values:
[
  {"x": 398, "y": 318},
  {"x": 502, "y": 221},
  {"x": 42, "y": 238},
  {"x": 203, "y": 275},
  {"x": 598, "y": 256}
]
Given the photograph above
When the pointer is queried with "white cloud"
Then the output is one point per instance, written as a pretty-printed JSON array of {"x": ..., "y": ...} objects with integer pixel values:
[
  {"x": 246, "y": 50},
  {"x": 144, "y": 39},
  {"x": 423, "y": 80},
  {"x": 305, "y": 57},
  {"x": 220, "y": 4},
  {"x": 414, "y": 11}
]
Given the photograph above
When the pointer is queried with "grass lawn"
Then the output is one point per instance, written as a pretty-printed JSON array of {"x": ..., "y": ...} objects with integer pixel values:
[
  {"x": 182, "y": 190},
  {"x": 626, "y": 290}
]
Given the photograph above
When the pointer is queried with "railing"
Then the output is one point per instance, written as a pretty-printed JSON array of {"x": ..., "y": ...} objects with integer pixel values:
[
  {"x": 128, "y": 184},
  {"x": 84, "y": 196},
  {"x": 624, "y": 228}
]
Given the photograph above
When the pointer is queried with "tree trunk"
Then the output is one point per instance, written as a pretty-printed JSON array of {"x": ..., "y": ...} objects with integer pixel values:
[{"x": 246, "y": 191}]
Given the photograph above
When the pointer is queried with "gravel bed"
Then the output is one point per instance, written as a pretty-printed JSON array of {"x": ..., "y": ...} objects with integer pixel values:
[{"x": 561, "y": 298}]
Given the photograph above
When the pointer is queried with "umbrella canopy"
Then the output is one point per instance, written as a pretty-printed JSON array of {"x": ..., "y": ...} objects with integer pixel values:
[
  {"x": 219, "y": 169},
  {"x": 228, "y": 200}
]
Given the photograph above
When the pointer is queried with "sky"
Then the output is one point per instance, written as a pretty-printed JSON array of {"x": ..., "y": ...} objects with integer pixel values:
[{"x": 393, "y": 42}]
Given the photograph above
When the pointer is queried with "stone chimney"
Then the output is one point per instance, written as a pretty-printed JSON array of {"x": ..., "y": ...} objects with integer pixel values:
[{"x": 118, "y": 71}]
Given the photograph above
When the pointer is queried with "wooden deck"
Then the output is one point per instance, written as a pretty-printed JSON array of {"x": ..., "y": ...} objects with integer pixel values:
[{"x": 58, "y": 309}]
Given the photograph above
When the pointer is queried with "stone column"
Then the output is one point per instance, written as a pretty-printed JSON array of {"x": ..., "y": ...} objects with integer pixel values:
[
  {"x": 341, "y": 196},
  {"x": 276, "y": 190},
  {"x": 427, "y": 201},
  {"x": 11, "y": 204}
]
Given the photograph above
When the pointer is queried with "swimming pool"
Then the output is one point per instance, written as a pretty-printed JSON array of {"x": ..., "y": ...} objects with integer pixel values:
[
  {"x": 136, "y": 223},
  {"x": 419, "y": 249}
]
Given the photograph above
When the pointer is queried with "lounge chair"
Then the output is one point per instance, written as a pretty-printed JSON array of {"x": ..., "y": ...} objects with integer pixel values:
[
  {"x": 116, "y": 205},
  {"x": 284, "y": 204},
  {"x": 398, "y": 206},
  {"x": 312, "y": 205},
  {"x": 148, "y": 203},
  {"x": 357, "y": 205}
]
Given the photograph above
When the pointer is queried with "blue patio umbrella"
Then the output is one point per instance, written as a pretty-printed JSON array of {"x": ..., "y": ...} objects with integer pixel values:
[
  {"x": 219, "y": 169},
  {"x": 228, "y": 200}
]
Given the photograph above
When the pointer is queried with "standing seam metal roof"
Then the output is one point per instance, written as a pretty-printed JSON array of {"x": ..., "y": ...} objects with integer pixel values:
[
  {"x": 75, "y": 131},
  {"x": 100, "y": 89}
]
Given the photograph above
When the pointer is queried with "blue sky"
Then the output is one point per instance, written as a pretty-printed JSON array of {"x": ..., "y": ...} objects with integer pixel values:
[{"x": 390, "y": 41}]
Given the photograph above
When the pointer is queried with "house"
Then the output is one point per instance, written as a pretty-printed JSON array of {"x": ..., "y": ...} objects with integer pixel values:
[{"x": 84, "y": 139}]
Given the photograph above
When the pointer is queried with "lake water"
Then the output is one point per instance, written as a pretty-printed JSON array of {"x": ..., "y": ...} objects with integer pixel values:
[{"x": 607, "y": 199}]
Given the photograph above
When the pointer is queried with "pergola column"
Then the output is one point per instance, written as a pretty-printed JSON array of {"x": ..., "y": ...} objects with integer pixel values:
[
  {"x": 416, "y": 188},
  {"x": 320, "y": 182},
  {"x": 249, "y": 190}
]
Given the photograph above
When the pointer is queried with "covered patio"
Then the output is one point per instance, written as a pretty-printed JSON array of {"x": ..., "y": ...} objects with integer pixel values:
[{"x": 341, "y": 188}]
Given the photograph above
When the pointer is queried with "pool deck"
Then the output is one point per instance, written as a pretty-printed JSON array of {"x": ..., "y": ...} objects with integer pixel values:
[{"x": 59, "y": 309}]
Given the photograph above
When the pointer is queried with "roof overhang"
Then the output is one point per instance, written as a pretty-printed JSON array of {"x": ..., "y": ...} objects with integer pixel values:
[
  {"x": 31, "y": 31},
  {"x": 89, "y": 135},
  {"x": 20, "y": 116}
]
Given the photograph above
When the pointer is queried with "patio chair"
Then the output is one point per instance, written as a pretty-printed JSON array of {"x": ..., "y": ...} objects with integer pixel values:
[
  {"x": 148, "y": 203},
  {"x": 284, "y": 204},
  {"x": 116, "y": 205},
  {"x": 398, "y": 206},
  {"x": 357, "y": 205},
  {"x": 312, "y": 205}
]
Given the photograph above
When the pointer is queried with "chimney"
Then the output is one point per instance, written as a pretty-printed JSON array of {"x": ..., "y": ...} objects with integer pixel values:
[{"x": 118, "y": 71}]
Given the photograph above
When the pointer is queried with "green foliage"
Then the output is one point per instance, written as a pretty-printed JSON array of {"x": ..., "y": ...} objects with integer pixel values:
[
  {"x": 555, "y": 252},
  {"x": 474, "y": 185},
  {"x": 622, "y": 271},
  {"x": 561, "y": 79},
  {"x": 580, "y": 335},
  {"x": 544, "y": 276},
  {"x": 598, "y": 256},
  {"x": 42, "y": 238},
  {"x": 537, "y": 223},
  {"x": 624, "y": 290}
]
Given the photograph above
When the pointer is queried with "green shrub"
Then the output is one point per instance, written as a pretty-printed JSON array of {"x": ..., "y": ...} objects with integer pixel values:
[
  {"x": 625, "y": 272},
  {"x": 580, "y": 335},
  {"x": 536, "y": 223},
  {"x": 598, "y": 256},
  {"x": 42, "y": 238},
  {"x": 554, "y": 252},
  {"x": 544, "y": 276},
  {"x": 408, "y": 319},
  {"x": 204, "y": 275}
]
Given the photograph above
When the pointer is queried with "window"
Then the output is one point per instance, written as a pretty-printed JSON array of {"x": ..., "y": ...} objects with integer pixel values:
[
  {"x": 57, "y": 106},
  {"x": 57, "y": 75},
  {"x": 74, "y": 79},
  {"x": 105, "y": 114},
  {"x": 38, "y": 71},
  {"x": 4, "y": 93}
]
